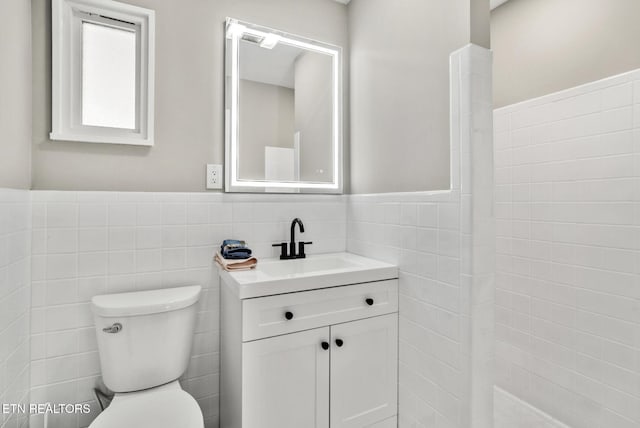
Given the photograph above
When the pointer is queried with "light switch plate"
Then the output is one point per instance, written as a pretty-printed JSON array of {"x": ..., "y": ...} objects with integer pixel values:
[{"x": 214, "y": 176}]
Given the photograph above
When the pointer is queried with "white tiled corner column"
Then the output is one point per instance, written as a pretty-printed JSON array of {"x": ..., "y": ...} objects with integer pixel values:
[
  {"x": 472, "y": 124},
  {"x": 14, "y": 304},
  {"x": 442, "y": 242},
  {"x": 568, "y": 247}
]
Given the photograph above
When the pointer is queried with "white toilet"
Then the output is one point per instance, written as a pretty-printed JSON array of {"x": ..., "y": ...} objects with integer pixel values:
[{"x": 144, "y": 341}]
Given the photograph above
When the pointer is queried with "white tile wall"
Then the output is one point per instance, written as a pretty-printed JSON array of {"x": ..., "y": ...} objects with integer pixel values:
[
  {"x": 446, "y": 286},
  {"x": 14, "y": 304},
  {"x": 568, "y": 239},
  {"x": 88, "y": 243},
  {"x": 407, "y": 229}
]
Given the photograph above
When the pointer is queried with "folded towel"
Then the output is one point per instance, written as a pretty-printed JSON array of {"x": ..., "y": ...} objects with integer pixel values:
[
  {"x": 233, "y": 243},
  {"x": 236, "y": 254},
  {"x": 232, "y": 265},
  {"x": 234, "y": 249}
]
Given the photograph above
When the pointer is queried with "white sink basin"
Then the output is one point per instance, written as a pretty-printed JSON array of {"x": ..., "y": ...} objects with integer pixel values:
[
  {"x": 274, "y": 276},
  {"x": 305, "y": 266}
]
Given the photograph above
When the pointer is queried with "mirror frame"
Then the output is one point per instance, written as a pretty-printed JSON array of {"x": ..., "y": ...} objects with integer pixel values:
[{"x": 234, "y": 29}]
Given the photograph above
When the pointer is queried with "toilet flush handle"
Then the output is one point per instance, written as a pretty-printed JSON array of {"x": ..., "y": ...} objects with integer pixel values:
[{"x": 115, "y": 328}]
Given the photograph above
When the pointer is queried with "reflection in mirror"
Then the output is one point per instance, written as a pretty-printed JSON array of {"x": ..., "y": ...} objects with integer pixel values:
[{"x": 283, "y": 104}]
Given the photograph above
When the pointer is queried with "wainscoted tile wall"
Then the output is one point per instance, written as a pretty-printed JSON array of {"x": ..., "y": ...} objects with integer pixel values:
[
  {"x": 88, "y": 243},
  {"x": 443, "y": 243},
  {"x": 14, "y": 304},
  {"x": 568, "y": 243},
  {"x": 420, "y": 233}
]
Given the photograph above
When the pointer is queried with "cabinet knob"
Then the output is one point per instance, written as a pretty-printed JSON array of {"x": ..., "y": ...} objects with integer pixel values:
[
  {"x": 288, "y": 315},
  {"x": 369, "y": 301},
  {"x": 339, "y": 342},
  {"x": 325, "y": 345}
]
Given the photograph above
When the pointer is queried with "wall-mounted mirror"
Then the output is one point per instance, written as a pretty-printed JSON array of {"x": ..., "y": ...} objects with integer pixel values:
[{"x": 283, "y": 112}]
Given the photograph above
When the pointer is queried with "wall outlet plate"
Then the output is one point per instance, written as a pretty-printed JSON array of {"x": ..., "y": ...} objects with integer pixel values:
[{"x": 214, "y": 176}]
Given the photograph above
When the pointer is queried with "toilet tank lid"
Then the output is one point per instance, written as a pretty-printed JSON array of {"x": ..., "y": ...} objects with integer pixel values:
[{"x": 145, "y": 302}]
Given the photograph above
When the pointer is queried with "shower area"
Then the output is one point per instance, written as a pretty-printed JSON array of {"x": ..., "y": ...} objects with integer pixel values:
[
  {"x": 567, "y": 209},
  {"x": 567, "y": 311}
]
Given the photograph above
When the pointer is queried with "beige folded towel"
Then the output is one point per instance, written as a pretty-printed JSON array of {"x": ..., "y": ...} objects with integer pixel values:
[{"x": 235, "y": 264}]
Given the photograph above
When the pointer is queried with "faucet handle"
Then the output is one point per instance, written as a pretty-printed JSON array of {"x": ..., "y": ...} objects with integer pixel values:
[
  {"x": 283, "y": 249},
  {"x": 301, "y": 254}
]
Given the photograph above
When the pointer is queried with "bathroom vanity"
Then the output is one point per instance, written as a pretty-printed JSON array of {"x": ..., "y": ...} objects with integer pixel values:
[{"x": 310, "y": 343}]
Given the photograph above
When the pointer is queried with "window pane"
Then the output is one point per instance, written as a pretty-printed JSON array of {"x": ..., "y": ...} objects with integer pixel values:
[{"x": 108, "y": 76}]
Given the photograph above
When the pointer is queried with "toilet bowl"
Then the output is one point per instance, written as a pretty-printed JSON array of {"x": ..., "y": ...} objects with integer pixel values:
[
  {"x": 167, "y": 406},
  {"x": 144, "y": 343}
]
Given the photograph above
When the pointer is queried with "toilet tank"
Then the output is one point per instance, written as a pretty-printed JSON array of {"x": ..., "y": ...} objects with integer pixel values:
[{"x": 145, "y": 337}]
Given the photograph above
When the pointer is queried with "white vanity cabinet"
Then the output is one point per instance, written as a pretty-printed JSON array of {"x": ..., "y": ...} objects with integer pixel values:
[
  {"x": 285, "y": 381},
  {"x": 314, "y": 358},
  {"x": 364, "y": 371}
]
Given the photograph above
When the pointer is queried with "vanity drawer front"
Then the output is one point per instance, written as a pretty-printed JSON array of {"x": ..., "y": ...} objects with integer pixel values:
[{"x": 287, "y": 313}]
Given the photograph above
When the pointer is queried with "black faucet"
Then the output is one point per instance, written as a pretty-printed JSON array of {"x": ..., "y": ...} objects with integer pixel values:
[{"x": 292, "y": 245}]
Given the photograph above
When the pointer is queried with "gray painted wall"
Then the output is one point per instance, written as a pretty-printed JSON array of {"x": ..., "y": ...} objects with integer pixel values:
[
  {"x": 400, "y": 91},
  {"x": 15, "y": 94},
  {"x": 189, "y": 94},
  {"x": 480, "y": 14},
  {"x": 543, "y": 46}
]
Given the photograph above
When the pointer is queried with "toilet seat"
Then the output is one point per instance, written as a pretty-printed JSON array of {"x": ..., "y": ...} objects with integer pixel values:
[{"x": 165, "y": 408}]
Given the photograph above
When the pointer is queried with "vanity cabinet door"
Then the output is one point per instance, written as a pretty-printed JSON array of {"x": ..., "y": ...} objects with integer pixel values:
[
  {"x": 286, "y": 381},
  {"x": 364, "y": 371}
]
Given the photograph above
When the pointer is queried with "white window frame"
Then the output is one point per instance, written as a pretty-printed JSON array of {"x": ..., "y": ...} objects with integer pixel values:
[{"x": 66, "y": 61}]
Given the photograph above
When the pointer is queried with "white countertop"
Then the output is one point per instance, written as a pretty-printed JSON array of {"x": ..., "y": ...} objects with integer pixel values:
[{"x": 275, "y": 276}]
